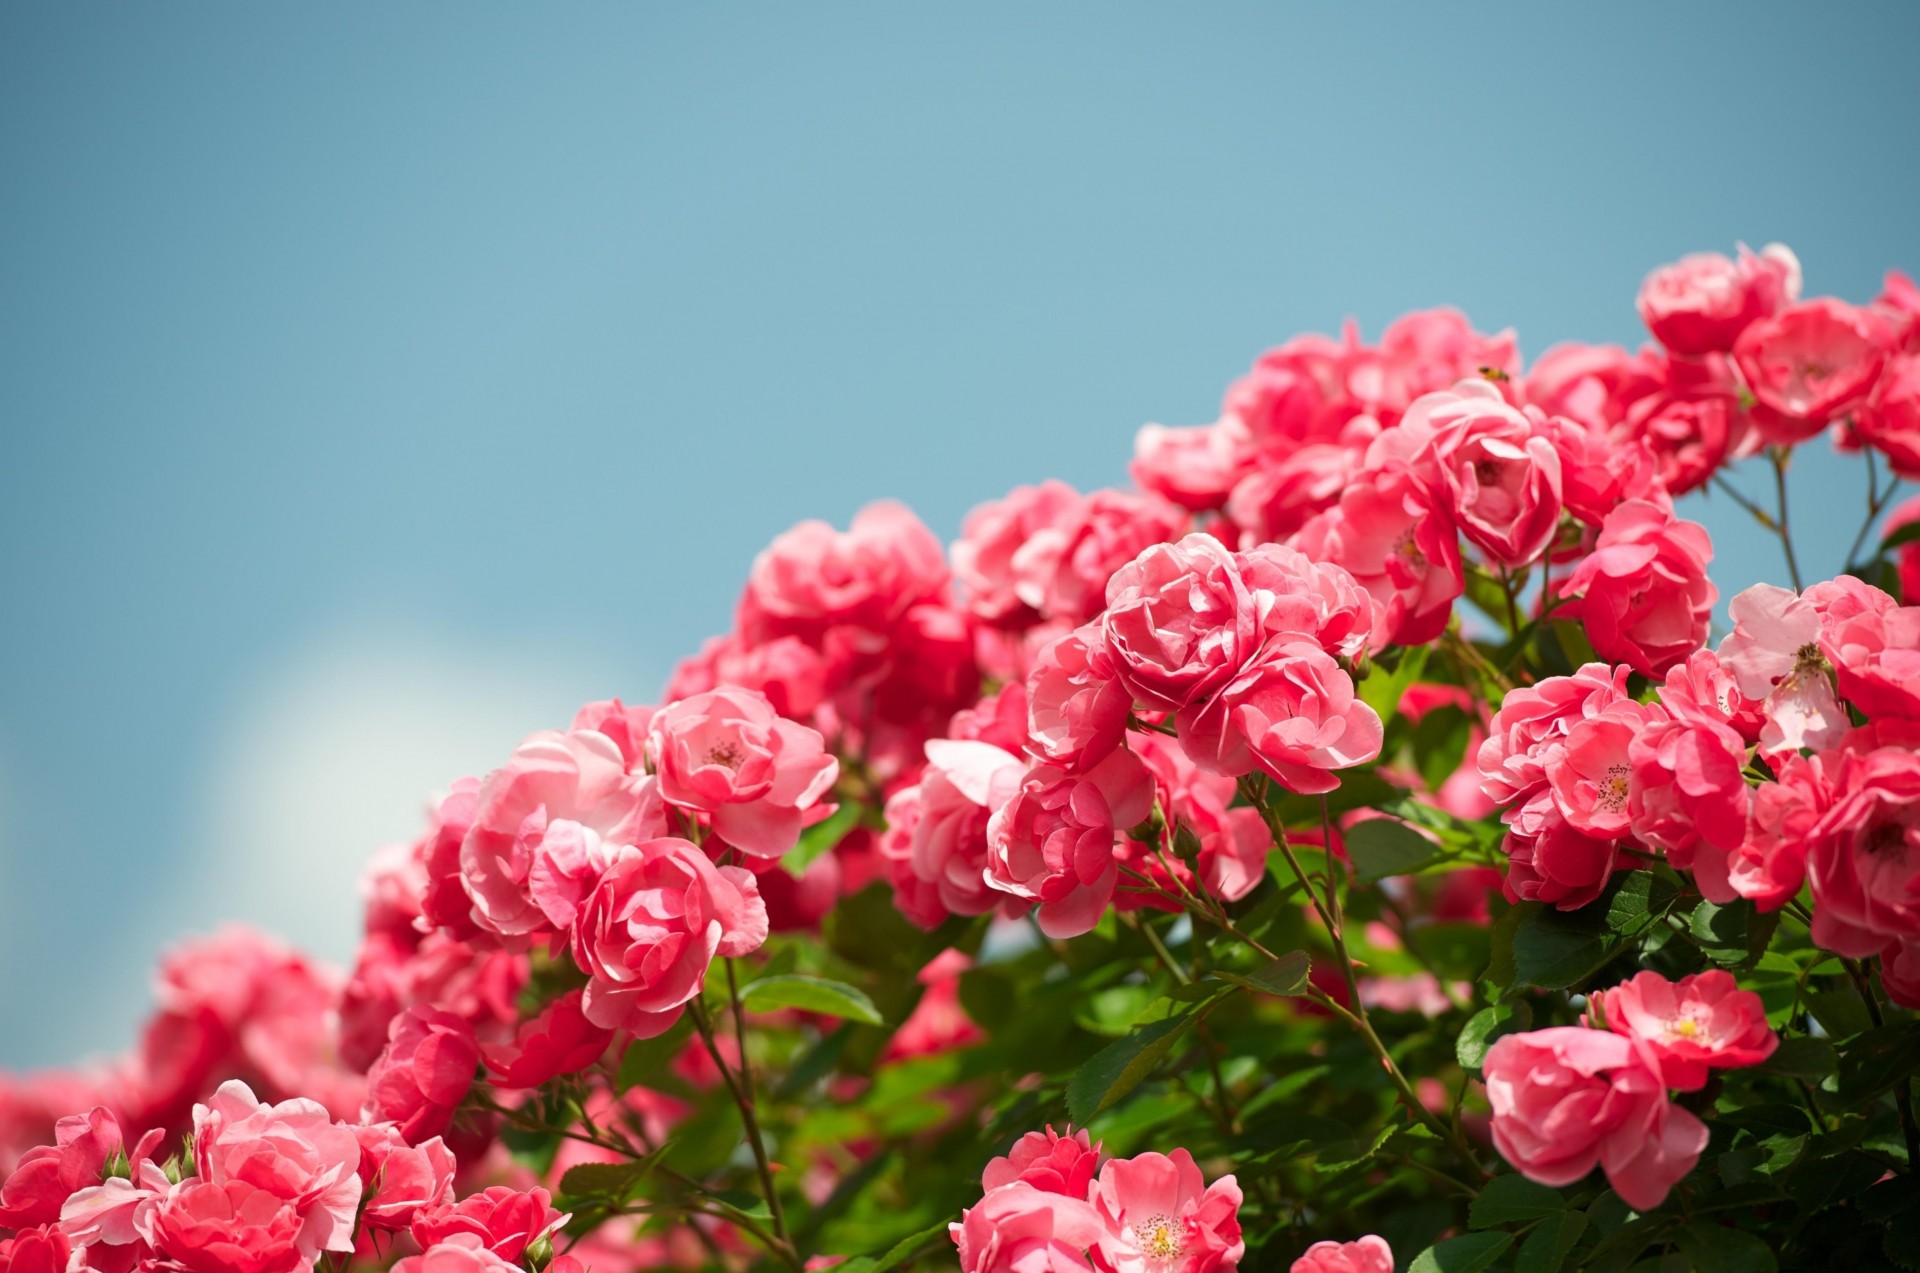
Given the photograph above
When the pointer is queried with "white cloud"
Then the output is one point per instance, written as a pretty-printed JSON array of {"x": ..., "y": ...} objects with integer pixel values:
[{"x": 337, "y": 752}]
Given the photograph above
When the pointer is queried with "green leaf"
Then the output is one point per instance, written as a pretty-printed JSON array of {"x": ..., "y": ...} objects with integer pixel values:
[
  {"x": 1286, "y": 975},
  {"x": 1878, "y": 1061},
  {"x": 1713, "y": 1249},
  {"x": 1840, "y": 1012},
  {"x": 1382, "y": 686},
  {"x": 906, "y": 1248},
  {"x": 605, "y": 1182},
  {"x": 1802, "y": 1059},
  {"x": 820, "y": 838},
  {"x": 811, "y": 994},
  {"x": 1538, "y": 945},
  {"x": 1118, "y": 1068},
  {"x": 1900, "y": 536},
  {"x": 739, "y": 1201},
  {"x": 1487, "y": 1025},
  {"x": 1733, "y": 934},
  {"x": 1440, "y": 744},
  {"x": 1635, "y": 900},
  {"x": 646, "y": 1057},
  {"x": 1381, "y": 847},
  {"x": 1549, "y": 1245},
  {"x": 1468, "y": 1253},
  {"x": 1456, "y": 950},
  {"x": 1514, "y": 1200}
]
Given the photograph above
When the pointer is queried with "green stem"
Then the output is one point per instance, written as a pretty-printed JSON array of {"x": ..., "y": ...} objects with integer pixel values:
[
  {"x": 1778, "y": 457},
  {"x": 743, "y": 1098}
]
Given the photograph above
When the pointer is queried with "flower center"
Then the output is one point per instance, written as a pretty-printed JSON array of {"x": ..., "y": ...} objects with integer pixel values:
[
  {"x": 1613, "y": 789},
  {"x": 1160, "y": 1236},
  {"x": 1487, "y": 472},
  {"x": 725, "y": 754},
  {"x": 1685, "y": 1027}
]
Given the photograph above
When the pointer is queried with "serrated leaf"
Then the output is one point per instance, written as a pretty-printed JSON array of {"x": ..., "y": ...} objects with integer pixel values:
[
  {"x": 1286, "y": 975},
  {"x": 1732, "y": 934},
  {"x": 1802, "y": 1059},
  {"x": 1380, "y": 847},
  {"x": 1486, "y": 1025},
  {"x": 750, "y": 1205},
  {"x": 606, "y": 1182},
  {"x": 1118, "y": 1068},
  {"x": 646, "y": 1057},
  {"x": 811, "y": 994},
  {"x": 1514, "y": 1199},
  {"x": 1547, "y": 1247},
  {"x": 1468, "y": 1253}
]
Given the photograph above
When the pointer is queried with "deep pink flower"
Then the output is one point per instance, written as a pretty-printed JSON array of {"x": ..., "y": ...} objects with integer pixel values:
[
  {"x": 1775, "y": 658},
  {"x": 1496, "y": 464},
  {"x": 465, "y": 1253},
  {"x": 1292, "y": 713},
  {"x": 40, "y": 1249},
  {"x": 1701, "y": 303},
  {"x": 729, "y": 755},
  {"x": 1808, "y": 365},
  {"x": 505, "y": 1221},
  {"x": 292, "y": 1151},
  {"x": 1232, "y": 843},
  {"x": 1063, "y": 570},
  {"x": 1688, "y": 432},
  {"x": 1699, "y": 1023},
  {"x": 1280, "y": 494},
  {"x": 1864, "y": 856},
  {"x": 1179, "y": 623},
  {"x": 1294, "y": 598},
  {"x": 1162, "y": 1217},
  {"x": 1770, "y": 863},
  {"x": 424, "y": 1074},
  {"x": 1591, "y": 775},
  {"x": 560, "y": 1040},
  {"x": 1567, "y": 1099},
  {"x": 1907, "y": 556},
  {"x": 1076, "y": 705},
  {"x": 1554, "y": 863},
  {"x": 962, "y": 786},
  {"x": 45, "y": 1178},
  {"x": 653, "y": 924},
  {"x": 1889, "y": 421},
  {"x": 579, "y": 778},
  {"x": 1876, "y": 657},
  {"x": 1367, "y": 1255},
  {"x": 230, "y": 1227},
  {"x": 814, "y": 578},
  {"x": 1050, "y": 1161},
  {"x": 1644, "y": 595},
  {"x": 1598, "y": 469},
  {"x": 1194, "y": 467},
  {"x": 1593, "y": 384},
  {"x": 1422, "y": 352},
  {"x": 1705, "y": 690},
  {"x": 1687, "y": 787},
  {"x": 990, "y": 542},
  {"x": 791, "y": 673},
  {"x": 1053, "y": 840},
  {"x": 1020, "y": 1229},
  {"x": 1388, "y": 532},
  {"x": 401, "y": 1179},
  {"x": 1293, "y": 394}
]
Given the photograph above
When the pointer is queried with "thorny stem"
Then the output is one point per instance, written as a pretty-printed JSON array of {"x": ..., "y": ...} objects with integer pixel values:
[
  {"x": 1778, "y": 457},
  {"x": 743, "y": 1097}
]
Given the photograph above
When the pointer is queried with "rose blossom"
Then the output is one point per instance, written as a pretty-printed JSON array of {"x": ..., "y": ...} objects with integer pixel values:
[
  {"x": 1179, "y": 622},
  {"x": 505, "y": 1221},
  {"x": 1076, "y": 706},
  {"x": 1644, "y": 595},
  {"x": 560, "y": 1040},
  {"x": 425, "y": 1072},
  {"x": 1161, "y": 1215},
  {"x": 1567, "y": 1098},
  {"x": 1020, "y": 1229},
  {"x": 1701, "y": 303},
  {"x": 1770, "y": 863},
  {"x": 964, "y": 782},
  {"x": 1889, "y": 421},
  {"x": 1532, "y": 724},
  {"x": 651, "y": 926},
  {"x": 1698, "y": 1023},
  {"x": 1689, "y": 434},
  {"x": 38, "y": 1249},
  {"x": 1280, "y": 495},
  {"x": 786, "y": 669},
  {"x": 1292, "y": 713},
  {"x": 1687, "y": 787},
  {"x": 1500, "y": 472},
  {"x": 292, "y": 1151},
  {"x": 1876, "y": 657},
  {"x": 1053, "y": 839},
  {"x": 1422, "y": 352},
  {"x": 401, "y": 1179},
  {"x": 1232, "y": 843},
  {"x": 230, "y": 1227},
  {"x": 1049, "y": 1161},
  {"x": 1368, "y": 1255},
  {"x": 1808, "y": 365},
  {"x": 1598, "y": 470},
  {"x": 728, "y": 754},
  {"x": 1063, "y": 571},
  {"x": 1400, "y": 545},
  {"x": 1705, "y": 690},
  {"x": 1194, "y": 467},
  {"x": 1774, "y": 656},
  {"x": 1553, "y": 862},
  {"x": 814, "y": 578},
  {"x": 1294, "y": 596},
  {"x": 47, "y": 1176},
  {"x": 1592, "y": 384},
  {"x": 990, "y": 540},
  {"x": 1864, "y": 857},
  {"x": 464, "y": 1253},
  {"x": 1591, "y": 776}
]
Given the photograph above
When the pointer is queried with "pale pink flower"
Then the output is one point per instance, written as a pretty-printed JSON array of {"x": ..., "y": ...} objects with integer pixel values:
[
  {"x": 1591, "y": 776},
  {"x": 963, "y": 784},
  {"x": 1053, "y": 840},
  {"x": 1592, "y": 384},
  {"x": 1705, "y": 690},
  {"x": 1162, "y": 1217},
  {"x": 791, "y": 673},
  {"x": 1698, "y": 1023},
  {"x": 1294, "y": 597},
  {"x": 729, "y": 755},
  {"x": 1775, "y": 658},
  {"x": 1194, "y": 467},
  {"x": 1281, "y": 493}
]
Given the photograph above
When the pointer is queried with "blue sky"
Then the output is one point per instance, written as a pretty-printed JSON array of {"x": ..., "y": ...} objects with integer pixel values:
[{"x": 378, "y": 382}]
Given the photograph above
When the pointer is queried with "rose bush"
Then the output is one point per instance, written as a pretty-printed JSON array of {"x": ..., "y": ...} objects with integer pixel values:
[{"x": 1357, "y": 847}]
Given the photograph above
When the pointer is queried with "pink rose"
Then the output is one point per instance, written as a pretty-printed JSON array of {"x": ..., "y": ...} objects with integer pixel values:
[
  {"x": 1049, "y": 1161},
  {"x": 1161, "y": 1215},
  {"x": 230, "y": 1227},
  {"x": 1688, "y": 787},
  {"x": 1876, "y": 656},
  {"x": 1593, "y": 384},
  {"x": 1699, "y": 1023},
  {"x": 1193, "y": 467},
  {"x": 1808, "y": 365},
  {"x": 1591, "y": 776},
  {"x": 1598, "y": 470},
  {"x": 1701, "y": 303},
  {"x": 1076, "y": 705},
  {"x": 1292, "y": 713},
  {"x": 1774, "y": 655},
  {"x": 1388, "y": 532},
  {"x": 963, "y": 784},
  {"x": 1053, "y": 840},
  {"x": 990, "y": 542},
  {"x": 1063, "y": 570},
  {"x": 579, "y": 779},
  {"x": 1368, "y": 1255},
  {"x": 1864, "y": 857},
  {"x": 1770, "y": 863},
  {"x": 46, "y": 1177},
  {"x": 464, "y": 1253},
  {"x": 1552, "y": 862},
  {"x": 1232, "y": 843},
  {"x": 1295, "y": 597},
  {"x": 814, "y": 578},
  {"x": 1496, "y": 465},
  {"x": 786, "y": 669},
  {"x": 1179, "y": 623},
  {"x": 292, "y": 1151},
  {"x": 401, "y": 1179},
  {"x": 1422, "y": 352},
  {"x": 560, "y": 1040},
  {"x": 1020, "y": 1229},
  {"x": 1281, "y": 493},
  {"x": 1705, "y": 690},
  {"x": 1890, "y": 419},
  {"x": 728, "y": 754},
  {"x": 1567, "y": 1098},
  {"x": 504, "y": 1221},
  {"x": 653, "y": 924},
  {"x": 1908, "y": 560},
  {"x": 1644, "y": 595},
  {"x": 36, "y": 1250},
  {"x": 1689, "y": 434},
  {"x": 424, "y": 1074}
]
